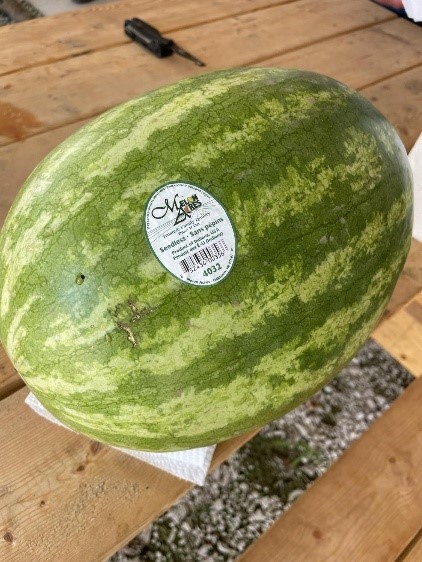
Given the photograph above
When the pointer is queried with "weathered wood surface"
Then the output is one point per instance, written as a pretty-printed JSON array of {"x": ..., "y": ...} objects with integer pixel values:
[
  {"x": 399, "y": 43},
  {"x": 44, "y": 97},
  {"x": 367, "y": 507},
  {"x": 401, "y": 335},
  {"x": 9, "y": 378},
  {"x": 77, "y": 33},
  {"x": 63, "y": 497},
  {"x": 410, "y": 282}
]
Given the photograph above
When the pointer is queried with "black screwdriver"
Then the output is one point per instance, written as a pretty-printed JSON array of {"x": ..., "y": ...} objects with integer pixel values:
[{"x": 150, "y": 38}]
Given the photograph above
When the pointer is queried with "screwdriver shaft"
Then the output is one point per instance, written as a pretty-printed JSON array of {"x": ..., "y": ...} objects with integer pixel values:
[{"x": 180, "y": 51}]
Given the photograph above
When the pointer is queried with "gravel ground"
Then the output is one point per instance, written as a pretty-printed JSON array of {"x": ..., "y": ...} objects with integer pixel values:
[{"x": 242, "y": 498}]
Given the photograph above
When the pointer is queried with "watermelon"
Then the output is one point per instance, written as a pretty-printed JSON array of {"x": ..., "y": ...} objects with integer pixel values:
[{"x": 197, "y": 261}]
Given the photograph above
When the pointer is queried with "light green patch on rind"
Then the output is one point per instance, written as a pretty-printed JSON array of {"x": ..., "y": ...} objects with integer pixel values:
[
  {"x": 58, "y": 386},
  {"x": 299, "y": 106},
  {"x": 19, "y": 253},
  {"x": 89, "y": 331},
  {"x": 164, "y": 118},
  {"x": 364, "y": 168},
  {"x": 300, "y": 189},
  {"x": 16, "y": 332},
  {"x": 340, "y": 264}
]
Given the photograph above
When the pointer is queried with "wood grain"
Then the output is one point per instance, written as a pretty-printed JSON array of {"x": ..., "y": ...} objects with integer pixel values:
[
  {"x": 401, "y": 335},
  {"x": 400, "y": 99},
  {"x": 18, "y": 160},
  {"x": 225, "y": 449},
  {"x": 410, "y": 282},
  {"x": 367, "y": 506},
  {"x": 10, "y": 381},
  {"x": 47, "y": 97},
  {"x": 65, "y": 497},
  {"x": 72, "y": 34},
  {"x": 362, "y": 57}
]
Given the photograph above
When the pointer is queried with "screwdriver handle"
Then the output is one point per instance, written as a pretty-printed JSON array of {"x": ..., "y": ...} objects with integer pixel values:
[{"x": 149, "y": 37}]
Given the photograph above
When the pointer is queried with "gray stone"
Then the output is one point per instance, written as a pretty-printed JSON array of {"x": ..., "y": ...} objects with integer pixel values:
[
  {"x": 218, "y": 505},
  {"x": 294, "y": 495}
]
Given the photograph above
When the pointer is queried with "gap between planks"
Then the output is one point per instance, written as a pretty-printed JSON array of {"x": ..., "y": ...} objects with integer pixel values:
[
  {"x": 282, "y": 52},
  {"x": 413, "y": 551}
]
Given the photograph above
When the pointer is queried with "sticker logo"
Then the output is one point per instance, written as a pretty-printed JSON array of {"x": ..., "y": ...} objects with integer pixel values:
[{"x": 190, "y": 233}]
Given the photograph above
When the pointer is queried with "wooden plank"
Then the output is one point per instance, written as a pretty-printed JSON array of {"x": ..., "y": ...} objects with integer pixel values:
[
  {"x": 226, "y": 448},
  {"x": 65, "y": 497},
  {"x": 58, "y": 37},
  {"x": 46, "y": 97},
  {"x": 410, "y": 281},
  {"x": 17, "y": 161},
  {"x": 362, "y": 57},
  {"x": 10, "y": 381},
  {"x": 400, "y": 99},
  {"x": 401, "y": 335},
  {"x": 250, "y": 38},
  {"x": 367, "y": 506}
]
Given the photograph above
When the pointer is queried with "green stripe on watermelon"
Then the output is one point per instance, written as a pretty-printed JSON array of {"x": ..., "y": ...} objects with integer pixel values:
[{"x": 318, "y": 187}]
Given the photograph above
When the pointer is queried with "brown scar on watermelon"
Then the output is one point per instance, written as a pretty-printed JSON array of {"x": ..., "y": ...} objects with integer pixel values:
[
  {"x": 138, "y": 314},
  {"x": 128, "y": 331},
  {"x": 121, "y": 322},
  {"x": 122, "y": 317}
]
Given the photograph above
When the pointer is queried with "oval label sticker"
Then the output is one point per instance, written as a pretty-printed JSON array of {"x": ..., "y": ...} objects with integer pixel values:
[{"x": 190, "y": 233}]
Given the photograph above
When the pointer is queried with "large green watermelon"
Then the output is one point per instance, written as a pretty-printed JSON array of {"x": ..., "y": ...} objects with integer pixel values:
[{"x": 198, "y": 261}]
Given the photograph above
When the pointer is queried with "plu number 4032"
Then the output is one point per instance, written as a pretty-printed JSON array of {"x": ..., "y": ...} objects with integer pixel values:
[{"x": 213, "y": 269}]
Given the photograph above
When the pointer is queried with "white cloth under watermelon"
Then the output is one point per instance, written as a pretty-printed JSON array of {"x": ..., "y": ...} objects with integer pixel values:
[
  {"x": 415, "y": 157},
  {"x": 191, "y": 465}
]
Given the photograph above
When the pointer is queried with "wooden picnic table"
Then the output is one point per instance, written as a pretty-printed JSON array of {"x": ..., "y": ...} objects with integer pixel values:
[{"x": 66, "y": 498}]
